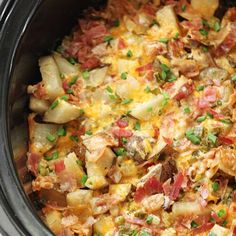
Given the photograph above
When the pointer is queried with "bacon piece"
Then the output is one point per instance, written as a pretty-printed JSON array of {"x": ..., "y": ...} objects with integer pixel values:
[
  {"x": 122, "y": 133},
  {"x": 149, "y": 8},
  {"x": 228, "y": 43},
  {"x": 121, "y": 44},
  {"x": 122, "y": 123},
  {"x": 226, "y": 140},
  {"x": 149, "y": 75},
  {"x": 33, "y": 162},
  {"x": 167, "y": 140},
  {"x": 59, "y": 166},
  {"x": 156, "y": 132},
  {"x": 216, "y": 115},
  {"x": 151, "y": 186},
  {"x": 184, "y": 92},
  {"x": 202, "y": 103},
  {"x": 177, "y": 186},
  {"x": 210, "y": 94},
  {"x": 203, "y": 228},
  {"x": 91, "y": 63},
  {"x": 144, "y": 68}
]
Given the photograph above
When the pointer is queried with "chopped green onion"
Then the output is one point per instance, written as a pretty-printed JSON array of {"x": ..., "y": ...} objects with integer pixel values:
[
  {"x": 51, "y": 138},
  {"x": 96, "y": 234},
  {"x": 200, "y": 87},
  {"x": 205, "y": 23},
  {"x": 54, "y": 104},
  {"x": 69, "y": 91},
  {"x": 172, "y": 78},
  {"x": 194, "y": 224},
  {"x": 154, "y": 22},
  {"x": 120, "y": 151},
  {"x": 219, "y": 102},
  {"x": 65, "y": 98},
  {"x": 212, "y": 234},
  {"x": 74, "y": 138},
  {"x": 201, "y": 118},
  {"x": 134, "y": 233},
  {"x": 217, "y": 26},
  {"x": 187, "y": 110},
  {"x": 72, "y": 60},
  {"x": 210, "y": 115},
  {"x": 176, "y": 36},
  {"x": 79, "y": 162},
  {"x": 163, "y": 75},
  {"x": 126, "y": 101},
  {"x": 183, "y": 7},
  {"x": 224, "y": 223},
  {"x": 192, "y": 137},
  {"x": 89, "y": 132},
  {"x": 54, "y": 156},
  {"x": 163, "y": 40},
  {"x": 149, "y": 109},
  {"x": 124, "y": 75},
  {"x": 81, "y": 111},
  {"x": 147, "y": 89},
  {"x": 129, "y": 53},
  {"x": 124, "y": 140},
  {"x": 233, "y": 78},
  {"x": 61, "y": 132},
  {"x": 165, "y": 68},
  {"x": 203, "y": 32},
  {"x": 149, "y": 219},
  {"x": 84, "y": 179},
  {"x": 212, "y": 138},
  {"x": 137, "y": 126},
  {"x": 221, "y": 213},
  {"x": 144, "y": 233},
  {"x": 166, "y": 98},
  {"x": 116, "y": 23},
  {"x": 205, "y": 49},
  {"x": 73, "y": 81},
  {"x": 85, "y": 75},
  {"x": 215, "y": 186},
  {"x": 109, "y": 89},
  {"x": 108, "y": 39},
  {"x": 226, "y": 121}
]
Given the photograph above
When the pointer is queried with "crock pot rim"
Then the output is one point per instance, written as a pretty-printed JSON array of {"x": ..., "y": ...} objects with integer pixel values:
[{"x": 12, "y": 196}]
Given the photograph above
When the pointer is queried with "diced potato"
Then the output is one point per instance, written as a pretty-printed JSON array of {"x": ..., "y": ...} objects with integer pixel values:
[
  {"x": 96, "y": 182},
  {"x": 128, "y": 168},
  {"x": 51, "y": 77},
  {"x": 72, "y": 167},
  {"x": 62, "y": 113},
  {"x": 38, "y": 135},
  {"x": 127, "y": 65},
  {"x": 153, "y": 203},
  {"x": 120, "y": 190},
  {"x": 79, "y": 197},
  {"x": 53, "y": 220},
  {"x": 144, "y": 111},
  {"x": 169, "y": 232},
  {"x": 158, "y": 147},
  {"x": 188, "y": 208},
  {"x": 65, "y": 67},
  {"x": 104, "y": 225},
  {"x": 167, "y": 19},
  {"x": 206, "y": 8},
  {"x": 219, "y": 230},
  {"x": 38, "y": 105},
  {"x": 96, "y": 77}
]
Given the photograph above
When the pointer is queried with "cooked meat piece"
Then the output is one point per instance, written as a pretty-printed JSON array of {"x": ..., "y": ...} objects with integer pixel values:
[
  {"x": 135, "y": 148},
  {"x": 169, "y": 169},
  {"x": 79, "y": 149}
]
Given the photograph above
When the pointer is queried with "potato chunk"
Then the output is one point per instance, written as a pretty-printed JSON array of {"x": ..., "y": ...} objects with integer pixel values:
[{"x": 206, "y": 8}]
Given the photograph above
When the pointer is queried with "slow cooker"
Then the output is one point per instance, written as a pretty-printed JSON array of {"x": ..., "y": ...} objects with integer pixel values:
[{"x": 28, "y": 29}]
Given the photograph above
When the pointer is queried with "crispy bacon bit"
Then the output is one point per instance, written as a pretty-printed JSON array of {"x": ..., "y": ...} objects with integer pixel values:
[
  {"x": 144, "y": 68},
  {"x": 225, "y": 140},
  {"x": 176, "y": 47},
  {"x": 203, "y": 228},
  {"x": 167, "y": 140},
  {"x": 33, "y": 161},
  {"x": 156, "y": 132},
  {"x": 202, "y": 103},
  {"x": 210, "y": 94},
  {"x": 151, "y": 186},
  {"x": 216, "y": 115},
  {"x": 149, "y": 75},
  {"x": 149, "y": 9},
  {"x": 184, "y": 92},
  {"x": 228, "y": 43},
  {"x": 122, "y": 133},
  {"x": 176, "y": 186},
  {"x": 59, "y": 166},
  {"x": 122, "y": 123},
  {"x": 121, "y": 44}
]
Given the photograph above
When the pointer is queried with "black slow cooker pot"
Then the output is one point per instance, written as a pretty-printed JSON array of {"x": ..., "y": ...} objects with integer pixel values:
[{"x": 28, "y": 28}]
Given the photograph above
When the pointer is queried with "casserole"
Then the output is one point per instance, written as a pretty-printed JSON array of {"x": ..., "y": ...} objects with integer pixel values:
[{"x": 21, "y": 53}]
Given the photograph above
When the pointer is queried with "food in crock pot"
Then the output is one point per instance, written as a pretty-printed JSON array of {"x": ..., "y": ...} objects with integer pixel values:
[{"x": 132, "y": 130}]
